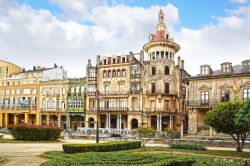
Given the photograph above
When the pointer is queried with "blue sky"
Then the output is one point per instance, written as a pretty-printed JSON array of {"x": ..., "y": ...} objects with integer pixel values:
[
  {"x": 193, "y": 13},
  {"x": 69, "y": 32}
]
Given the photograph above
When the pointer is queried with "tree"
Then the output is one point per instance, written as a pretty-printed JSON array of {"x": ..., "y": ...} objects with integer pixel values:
[
  {"x": 170, "y": 134},
  {"x": 243, "y": 119},
  {"x": 145, "y": 134},
  {"x": 223, "y": 118}
]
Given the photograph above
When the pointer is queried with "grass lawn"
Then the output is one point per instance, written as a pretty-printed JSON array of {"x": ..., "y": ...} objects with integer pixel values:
[{"x": 146, "y": 156}]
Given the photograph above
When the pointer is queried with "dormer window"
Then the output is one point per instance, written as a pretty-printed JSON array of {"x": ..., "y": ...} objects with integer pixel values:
[
  {"x": 226, "y": 67},
  {"x": 205, "y": 70},
  {"x": 104, "y": 61},
  {"x": 246, "y": 65},
  {"x": 113, "y": 60},
  {"x": 123, "y": 59}
]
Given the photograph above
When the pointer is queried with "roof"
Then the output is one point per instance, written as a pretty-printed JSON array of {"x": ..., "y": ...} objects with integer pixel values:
[
  {"x": 159, "y": 36},
  {"x": 237, "y": 70},
  {"x": 38, "y": 70}
]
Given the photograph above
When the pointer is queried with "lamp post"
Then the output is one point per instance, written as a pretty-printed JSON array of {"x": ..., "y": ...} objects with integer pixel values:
[{"x": 97, "y": 117}]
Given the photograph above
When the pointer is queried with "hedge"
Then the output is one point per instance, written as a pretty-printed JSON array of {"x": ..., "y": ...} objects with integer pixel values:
[
  {"x": 188, "y": 146},
  {"x": 175, "y": 162},
  {"x": 34, "y": 132},
  {"x": 101, "y": 147}
]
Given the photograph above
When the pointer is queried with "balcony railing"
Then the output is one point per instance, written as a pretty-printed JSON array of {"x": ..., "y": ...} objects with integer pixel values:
[
  {"x": 91, "y": 93},
  {"x": 135, "y": 75},
  {"x": 202, "y": 103},
  {"x": 162, "y": 92},
  {"x": 52, "y": 110},
  {"x": 114, "y": 93},
  {"x": 164, "y": 109},
  {"x": 134, "y": 91},
  {"x": 92, "y": 78},
  {"x": 111, "y": 109}
]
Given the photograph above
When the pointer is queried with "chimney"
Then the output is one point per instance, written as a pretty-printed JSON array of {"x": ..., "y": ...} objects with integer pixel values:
[
  {"x": 23, "y": 69},
  {"x": 141, "y": 56},
  {"x": 55, "y": 65},
  {"x": 98, "y": 60},
  {"x": 89, "y": 63},
  {"x": 179, "y": 61},
  {"x": 182, "y": 64},
  {"x": 34, "y": 67}
]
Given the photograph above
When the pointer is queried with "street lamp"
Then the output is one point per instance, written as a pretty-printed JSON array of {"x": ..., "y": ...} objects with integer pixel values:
[{"x": 97, "y": 117}]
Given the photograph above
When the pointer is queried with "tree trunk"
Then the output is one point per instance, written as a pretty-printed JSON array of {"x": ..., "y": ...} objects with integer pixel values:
[{"x": 239, "y": 146}]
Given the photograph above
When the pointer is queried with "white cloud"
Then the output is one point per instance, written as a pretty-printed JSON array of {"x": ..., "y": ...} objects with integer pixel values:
[
  {"x": 239, "y": 1},
  {"x": 227, "y": 40},
  {"x": 37, "y": 37}
]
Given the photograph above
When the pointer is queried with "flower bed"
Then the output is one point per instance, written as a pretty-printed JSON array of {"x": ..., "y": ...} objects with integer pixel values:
[{"x": 188, "y": 146}]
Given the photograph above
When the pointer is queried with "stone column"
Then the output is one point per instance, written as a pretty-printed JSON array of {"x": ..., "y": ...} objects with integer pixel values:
[
  {"x": 159, "y": 123},
  {"x": 108, "y": 121},
  {"x": 1, "y": 120},
  {"x": 118, "y": 122},
  {"x": 26, "y": 118},
  {"x": 6, "y": 120},
  {"x": 171, "y": 122},
  {"x": 181, "y": 128},
  {"x": 15, "y": 119},
  {"x": 210, "y": 132},
  {"x": 38, "y": 119},
  {"x": 47, "y": 120},
  {"x": 59, "y": 120}
]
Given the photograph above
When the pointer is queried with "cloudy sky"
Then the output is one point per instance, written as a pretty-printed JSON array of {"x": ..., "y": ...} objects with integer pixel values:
[{"x": 69, "y": 32}]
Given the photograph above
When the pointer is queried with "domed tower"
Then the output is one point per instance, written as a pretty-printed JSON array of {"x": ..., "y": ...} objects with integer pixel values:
[
  {"x": 162, "y": 80},
  {"x": 160, "y": 45}
]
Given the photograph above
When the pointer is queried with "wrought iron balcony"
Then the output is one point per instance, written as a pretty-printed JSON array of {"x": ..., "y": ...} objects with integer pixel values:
[
  {"x": 135, "y": 91},
  {"x": 161, "y": 92},
  {"x": 164, "y": 109},
  {"x": 202, "y": 103},
  {"x": 135, "y": 76},
  {"x": 114, "y": 93},
  {"x": 113, "y": 109}
]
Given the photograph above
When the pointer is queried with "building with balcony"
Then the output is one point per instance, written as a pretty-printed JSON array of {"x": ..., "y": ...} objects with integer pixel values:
[
  {"x": 213, "y": 86},
  {"x": 76, "y": 105},
  {"x": 127, "y": 91},
  {"x": 53, "y": 97},
  {"x": 20, "y": 92}
]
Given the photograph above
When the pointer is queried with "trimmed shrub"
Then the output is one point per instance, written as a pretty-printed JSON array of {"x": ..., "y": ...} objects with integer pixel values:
[
  {"x": 188, "y": 146},
  {"x": 116, "y": 135},
  {"x": 34, "y": 132},
  {"x": 101, "y": 147}
]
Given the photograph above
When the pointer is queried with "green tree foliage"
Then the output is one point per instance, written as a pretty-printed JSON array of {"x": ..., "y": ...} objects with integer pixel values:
[
  {"x": 226, "y": 118},
  {"x": 145, "y": 134}
]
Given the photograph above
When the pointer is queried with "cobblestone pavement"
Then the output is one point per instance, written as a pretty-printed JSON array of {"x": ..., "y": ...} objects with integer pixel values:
[{"x": 28, "y": 154}]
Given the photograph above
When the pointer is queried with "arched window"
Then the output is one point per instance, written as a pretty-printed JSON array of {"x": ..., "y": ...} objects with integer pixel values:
[
  {"x": 166, "y": 70},
  {"x": 118, "y": 73},
  {"x": 109, "y": 73},
  {"x": 113, "y": 73},
  {"x": 104, "y": 74},
  {"x": 153, "y": 71},
  {"x": 123, "y": 72}
]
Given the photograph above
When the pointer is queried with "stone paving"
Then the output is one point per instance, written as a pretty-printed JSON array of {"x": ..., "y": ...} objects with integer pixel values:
[{"x": 28, "y": 154}]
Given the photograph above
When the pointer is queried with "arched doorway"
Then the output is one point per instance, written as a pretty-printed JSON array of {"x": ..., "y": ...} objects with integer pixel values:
[
  {"x": 91, "y": 122},
  {"x": 134, "y": 123}
]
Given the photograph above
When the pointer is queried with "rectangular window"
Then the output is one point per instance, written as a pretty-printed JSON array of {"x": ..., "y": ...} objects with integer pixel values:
[
  {"x": 7, "y": 103},
  {"x": 1, "y": 103},
  {"x": 7, "y": 92},
  {"x": 51, "y": 104},
  {"x": 106, "y": 88},
  {"x": 204, "y": 97},
  {"x": 33, "y": 103},
  {"x": 26, "y": 91},
  {"x": 152, "y": 87},
  {"x": 11, "y": 103},
  {"x": 80, "y": 104},
  {"x": 77, "y": 89},
  {"x": 75, "y": 104},
  {"x": 167, "y": 88},
  {"x": 13, "y": 91},
  {"x": 69, "y": 104},
  {"x": 72, "y": 90},
  {"x": 34, "y": 91},
  {"x": 25, "y": 103},
  {"x": 82, "y": 89},
  {"x": 17, "y": 91},
  {"x": 246, "y": 94},
  {"x": 225, "y": 95},
  {"x": 18, "y": 103}
]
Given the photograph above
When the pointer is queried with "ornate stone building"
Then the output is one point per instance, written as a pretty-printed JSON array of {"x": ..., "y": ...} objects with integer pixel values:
[
  {"x": 213, "y": 86},
  {"x": 128, "y": 92}
]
